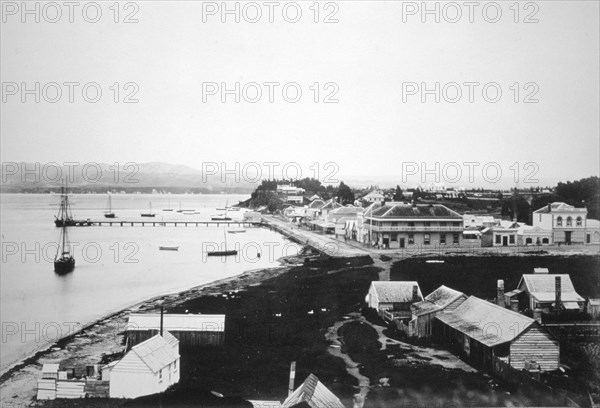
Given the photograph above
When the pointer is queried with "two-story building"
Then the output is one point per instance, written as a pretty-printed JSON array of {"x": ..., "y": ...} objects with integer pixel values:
[
  {"x": 567, "y": 223},
  {"x": 290, "y": 194},
  {"x": 400, "y": 225}
]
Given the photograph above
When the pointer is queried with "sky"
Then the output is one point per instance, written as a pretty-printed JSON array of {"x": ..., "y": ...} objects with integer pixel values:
[{"x": 375, "y": 63}]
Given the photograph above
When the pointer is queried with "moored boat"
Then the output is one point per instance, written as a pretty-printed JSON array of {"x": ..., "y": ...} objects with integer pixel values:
[{"x": 64, "y": 261}]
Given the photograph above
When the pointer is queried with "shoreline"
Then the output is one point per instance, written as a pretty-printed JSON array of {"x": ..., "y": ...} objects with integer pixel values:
[{"x": 247, "y": 278}]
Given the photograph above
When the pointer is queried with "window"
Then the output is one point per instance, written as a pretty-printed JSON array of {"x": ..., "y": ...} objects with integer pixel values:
[
  {"x": 427, "y": 223},
  {"x": 394, "y": 237},
  {"x": 160, "y": 375},
  {"x": 569, "y": 222},
  {"x": 559, "y": 221},
  {"x": 175, "y": 365},
  {"x": 545, "y": 240},
  {"x": 579, "y": 221},
  {"x": 540, "y": 218},
  {"x": 411, "y": 224},
  {"x": 411, "y": 238},
  {"x": 442, "y": 223},
  {"x": 498, "y": 239},
  {"x": 511, "y": 239},
  {"x": 455, "y": 238},
  {"x": 442, "y": 238},
  {"x": 426, "y": 239}
]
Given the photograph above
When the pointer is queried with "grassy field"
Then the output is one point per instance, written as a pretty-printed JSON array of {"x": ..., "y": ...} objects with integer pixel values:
[{"x": 478, "y": 275}]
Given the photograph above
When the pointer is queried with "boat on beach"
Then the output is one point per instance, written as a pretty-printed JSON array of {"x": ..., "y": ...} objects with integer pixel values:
[{"x": 236, "y": 230}]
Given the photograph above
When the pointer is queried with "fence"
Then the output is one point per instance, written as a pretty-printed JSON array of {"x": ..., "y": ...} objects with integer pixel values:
[{"x": 523, "y": 379}]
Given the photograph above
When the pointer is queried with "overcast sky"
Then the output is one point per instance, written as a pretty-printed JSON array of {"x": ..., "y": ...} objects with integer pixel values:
[{"x": 367, "y": 56}]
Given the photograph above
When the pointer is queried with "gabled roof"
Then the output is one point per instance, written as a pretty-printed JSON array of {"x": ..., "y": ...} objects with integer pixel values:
[
  {"x": 403, "y": 210},
  {"x": 331, "y": 203},
  {"x": 396, "y": 292},
  {"x": 176, "y": 322},
  {"x": 558, "y": 207},
  {"x": 437, "y": 300},
  {"x": 156, "y": 352},
  {"x": 542, "y": 287},
  {"x": 374, "y": 194},
  {"x": 313, "y": 393},
  {"x": 486, "y": 322}
]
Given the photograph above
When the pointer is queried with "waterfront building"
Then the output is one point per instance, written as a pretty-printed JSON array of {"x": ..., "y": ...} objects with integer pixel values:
[
  {"x": 189, "y": 329},
  {"x": 399, "y": 225},
  {"x": 148, "y": 368}
]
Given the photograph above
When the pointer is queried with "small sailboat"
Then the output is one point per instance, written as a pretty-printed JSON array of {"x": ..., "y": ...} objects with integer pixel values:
[
  {"x": 222, "y": 216},
  {"x": 168, "y": 206},
  {"x": 109, "y": 213},
  {"x": 225, "y": 251},
  {"x": 64, "y": 261},
  {"x": 149, "y": 214},
  {"x": 168, "y": 248}
]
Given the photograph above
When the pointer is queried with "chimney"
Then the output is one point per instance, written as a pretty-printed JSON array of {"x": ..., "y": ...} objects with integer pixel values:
[
  {"x": 557, "y": 291},
  {"x": 537, "y": 315},
  {"x": 161, "y": 320},
  {"x": 514, "y": 305},
  {"x": 292, "y": 378},
  {"x": 415, "y": 294},
  {"x": 500, "y": 293}
]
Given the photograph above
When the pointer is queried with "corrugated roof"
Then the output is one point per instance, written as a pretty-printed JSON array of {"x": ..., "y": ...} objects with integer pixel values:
[
  {"x": 542, "y": 287},
  {"x": 403, "y": 210},
  {"x": 486, "y": 322},
  {"x": 176, "y": 322},
  {"x": 396, "y": 292},
  {"x": 156, "y": 352},
  {"x": 314, "y": 393},
  {"x": 437, "y": 300}
]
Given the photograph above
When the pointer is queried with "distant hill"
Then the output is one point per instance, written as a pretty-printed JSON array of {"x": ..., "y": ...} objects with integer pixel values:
[{"x": 101, "y": 177}]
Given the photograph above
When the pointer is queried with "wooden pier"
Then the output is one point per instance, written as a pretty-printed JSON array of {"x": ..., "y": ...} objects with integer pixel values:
[{"x": 157, "y": 223}]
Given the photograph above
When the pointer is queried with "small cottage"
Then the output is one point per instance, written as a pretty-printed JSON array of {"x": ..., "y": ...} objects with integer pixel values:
[
  {"x": 148, "y": 368},
  {"x": 393, "y": 300},
  {"x": 483, "y": 332},
  {"x": 441, "y": 300},
  {"x": 549, "y": 292}
]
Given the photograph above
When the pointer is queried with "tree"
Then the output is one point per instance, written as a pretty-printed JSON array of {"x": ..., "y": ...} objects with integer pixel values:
[
  {"x": 345, "y": 194},
  {"x": 398, "y": 196}
]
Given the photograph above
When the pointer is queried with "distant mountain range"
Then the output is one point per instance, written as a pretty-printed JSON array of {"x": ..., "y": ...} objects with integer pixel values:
[{"x": 101, "y": 177}]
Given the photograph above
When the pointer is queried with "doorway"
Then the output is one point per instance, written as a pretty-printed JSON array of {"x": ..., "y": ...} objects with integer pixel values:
[
  {"x": 401, "y": 242},
  {"x": 504, "y": 241},
  {"x": 568, "y": 236}
]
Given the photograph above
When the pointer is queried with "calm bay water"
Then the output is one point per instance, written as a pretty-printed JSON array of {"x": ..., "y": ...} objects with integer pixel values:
[{"x": 116, "y": 266}]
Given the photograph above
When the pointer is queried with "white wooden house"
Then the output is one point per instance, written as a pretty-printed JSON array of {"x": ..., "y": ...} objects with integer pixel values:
[
  {"x": 148, "y": 368},
  {"x": 395, "y": 298}
]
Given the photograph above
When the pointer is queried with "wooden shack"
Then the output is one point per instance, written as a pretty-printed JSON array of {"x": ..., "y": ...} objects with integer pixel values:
[
  {"x": 189, "y": 329},
  {"x": 481, "y": 332},
  {"x": 441, "y": 300},
  {"x": 393, "y": 300}
]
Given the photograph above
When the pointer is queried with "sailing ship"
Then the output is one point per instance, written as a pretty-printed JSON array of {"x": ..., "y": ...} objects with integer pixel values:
[
  {"x": 64, "y": 217},
  {"x": 109, "y": 213},
  {"x": 149, "y": 214},
  {"x": 225, "y": 252},
  {"x": 64, "y": 261}
]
